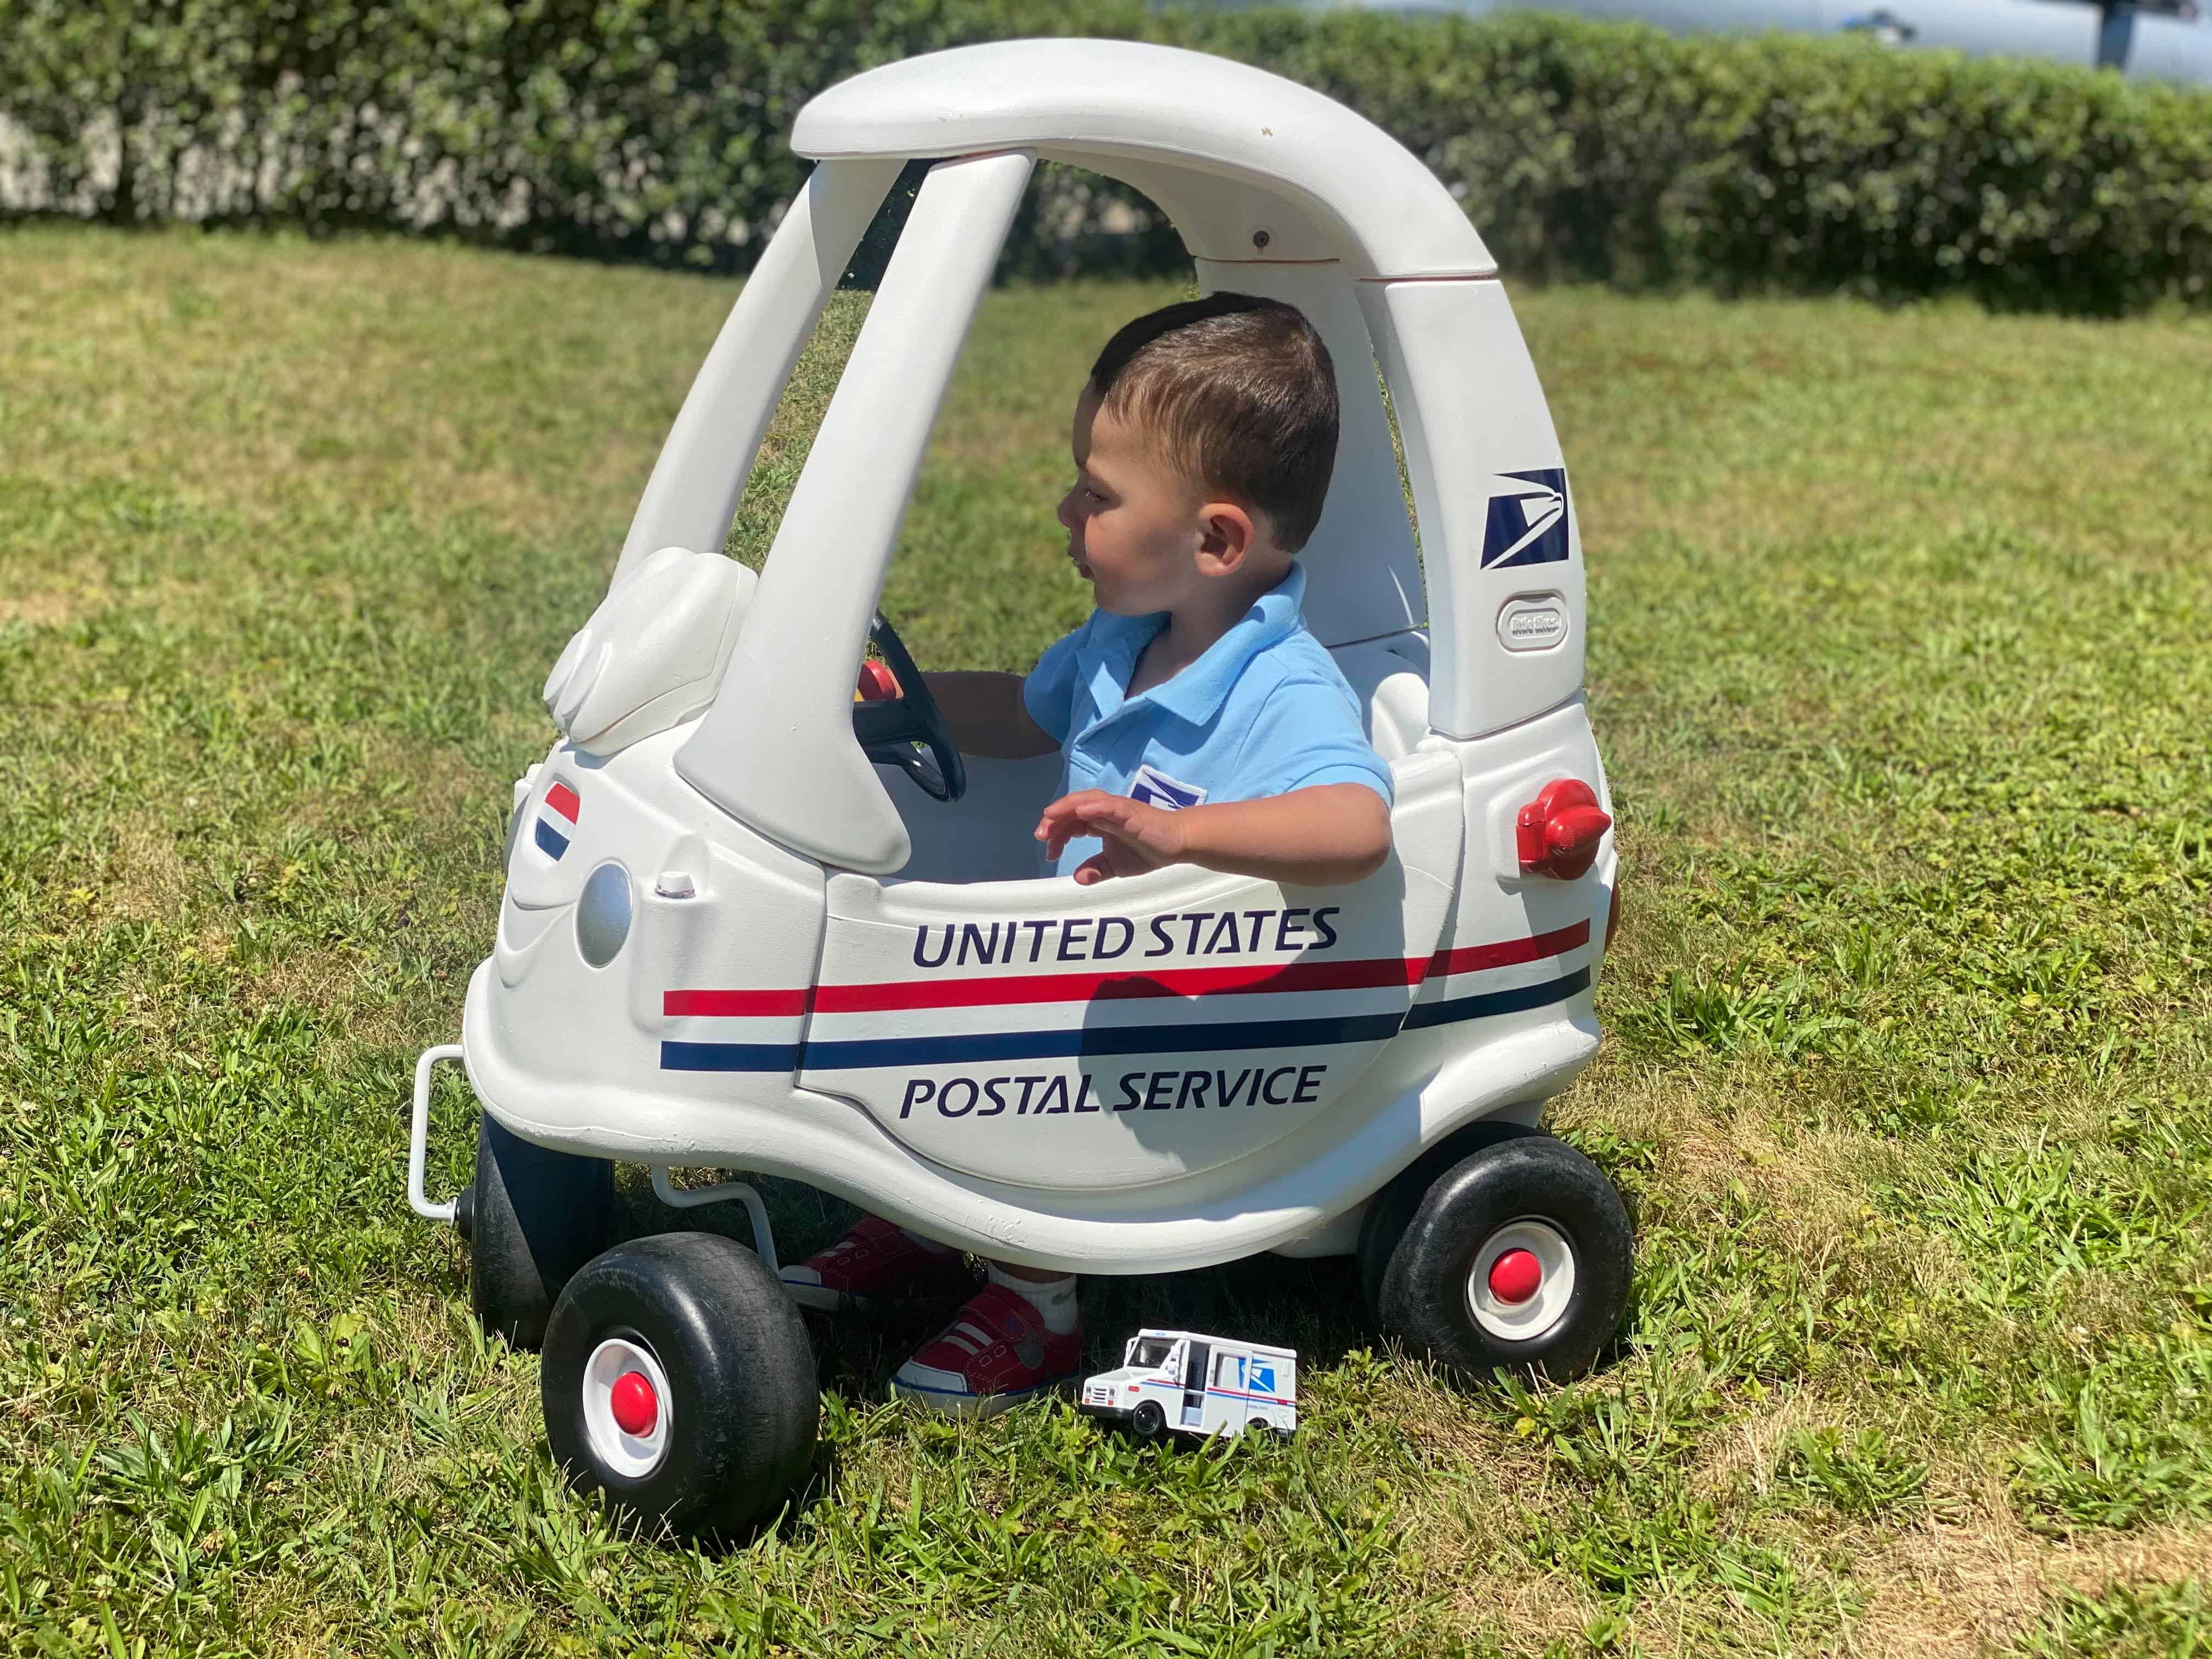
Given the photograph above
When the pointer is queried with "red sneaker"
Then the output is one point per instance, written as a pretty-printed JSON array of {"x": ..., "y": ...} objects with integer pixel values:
[
  {"x": 875, "y": 1262},
  {"x": 996, "y": 1352}
]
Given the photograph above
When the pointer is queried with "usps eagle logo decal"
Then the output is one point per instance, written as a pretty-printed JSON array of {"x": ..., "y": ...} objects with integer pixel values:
[
  {"x": 1156, "y": 788},
  {"x": 1528, "y": 522},
  {"x": 557, "y": 820}
]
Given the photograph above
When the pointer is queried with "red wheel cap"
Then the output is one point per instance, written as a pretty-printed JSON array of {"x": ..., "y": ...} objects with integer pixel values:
[
  {"x": 1515, "y": 1276},
  {"x": 636, "y": 1410}
]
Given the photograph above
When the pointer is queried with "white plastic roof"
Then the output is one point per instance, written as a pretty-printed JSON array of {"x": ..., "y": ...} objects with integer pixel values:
[{"x": 1107, "y": 104}]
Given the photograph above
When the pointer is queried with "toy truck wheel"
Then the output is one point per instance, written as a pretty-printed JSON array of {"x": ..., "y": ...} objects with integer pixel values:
[
  {"x": 1148, "y": 1421},
  {"x": 677, "y": 1380},
  {"x": 534, "y": 1217},
  {"x": 1516, "y": 1256}
]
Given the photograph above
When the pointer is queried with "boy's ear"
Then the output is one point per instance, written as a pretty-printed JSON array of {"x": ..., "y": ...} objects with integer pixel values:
[{"x": 1225, "y": 538}]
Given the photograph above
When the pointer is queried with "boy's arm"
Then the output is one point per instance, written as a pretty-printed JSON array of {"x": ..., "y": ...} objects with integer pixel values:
[
  {"x": 1319, "y": 837},
  {"x": 988, "y": 716}
]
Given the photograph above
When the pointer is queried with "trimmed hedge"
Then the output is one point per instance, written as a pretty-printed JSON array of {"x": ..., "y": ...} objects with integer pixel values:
[{"x": 628, "y": 130}]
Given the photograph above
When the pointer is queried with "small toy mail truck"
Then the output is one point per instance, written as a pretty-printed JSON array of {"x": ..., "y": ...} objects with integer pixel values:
[
  {"x": 1197, "y": 1384},
  {"x": 752, "y": 925}
]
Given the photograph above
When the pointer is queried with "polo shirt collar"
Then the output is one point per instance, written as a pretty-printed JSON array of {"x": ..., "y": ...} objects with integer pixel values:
[{"x": 1197, "y": 693}]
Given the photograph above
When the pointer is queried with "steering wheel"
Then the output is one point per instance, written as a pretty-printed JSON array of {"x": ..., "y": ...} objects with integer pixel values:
[{"x": 909, "y": 731}]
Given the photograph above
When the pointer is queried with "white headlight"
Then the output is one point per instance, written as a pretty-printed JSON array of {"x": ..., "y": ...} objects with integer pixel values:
[{"x": 603, "y": 914}]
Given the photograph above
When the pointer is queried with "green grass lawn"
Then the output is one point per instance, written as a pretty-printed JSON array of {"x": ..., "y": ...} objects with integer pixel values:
[{"x": 1899, "y": 662}]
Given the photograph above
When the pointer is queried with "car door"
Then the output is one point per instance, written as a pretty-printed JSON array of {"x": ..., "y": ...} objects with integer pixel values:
[
  {"x": 1229, "y": 1400},
  {"x": 1193, "y": 1384},
  {"x": 1048, "y": 1034}
]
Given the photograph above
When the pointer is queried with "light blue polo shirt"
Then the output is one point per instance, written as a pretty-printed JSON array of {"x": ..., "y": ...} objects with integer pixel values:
[{"x": 1263, "y": 712}]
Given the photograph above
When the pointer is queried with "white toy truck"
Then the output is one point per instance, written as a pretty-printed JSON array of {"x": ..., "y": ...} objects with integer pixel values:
[
  {"x": 1197, "y": 1384},
  {"x": 751, "y": 925}
]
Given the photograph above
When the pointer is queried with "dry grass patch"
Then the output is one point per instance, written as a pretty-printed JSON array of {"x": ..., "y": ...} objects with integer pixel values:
[{"x": 1961, "y": 1588}]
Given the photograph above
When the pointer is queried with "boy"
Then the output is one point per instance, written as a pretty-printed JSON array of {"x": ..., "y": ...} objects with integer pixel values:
[{"x": 1198, "y": 721}]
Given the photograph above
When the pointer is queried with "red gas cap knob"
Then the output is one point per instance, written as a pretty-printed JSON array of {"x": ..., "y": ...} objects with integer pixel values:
[
  {"x": 876, "y": 682},
  {"x": 1559, "y": 830},
  {"x": 635, "y": 1407}
]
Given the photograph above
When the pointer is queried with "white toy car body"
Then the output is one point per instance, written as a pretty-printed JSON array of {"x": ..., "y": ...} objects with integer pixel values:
[
  {"x": 732, "y": 938},
  {"x": 1197, "y": 1384}
]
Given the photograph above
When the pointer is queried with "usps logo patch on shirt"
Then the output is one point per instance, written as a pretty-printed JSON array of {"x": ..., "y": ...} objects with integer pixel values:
[{"x": 1156, "y": 788}]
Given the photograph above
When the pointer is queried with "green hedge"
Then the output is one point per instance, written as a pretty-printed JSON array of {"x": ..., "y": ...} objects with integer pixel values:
[{"x": 630, "y": 130}]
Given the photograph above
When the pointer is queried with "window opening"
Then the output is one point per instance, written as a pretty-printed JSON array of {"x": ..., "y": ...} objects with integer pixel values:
[{"x": 791, "y": 430}]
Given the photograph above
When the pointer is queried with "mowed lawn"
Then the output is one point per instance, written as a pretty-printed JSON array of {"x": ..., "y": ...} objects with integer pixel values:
[{"x": 1901, "y": 661}]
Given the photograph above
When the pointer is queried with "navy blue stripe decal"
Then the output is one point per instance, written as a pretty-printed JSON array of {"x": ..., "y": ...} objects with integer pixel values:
[
  {"x": 1517, "y": 1000},
  {"x": 984, "y": 1046},
  {"x": 729, "y": 1056},
  {"x": 550, "y": 840},
  {"x": 1100, "y": 1039}
]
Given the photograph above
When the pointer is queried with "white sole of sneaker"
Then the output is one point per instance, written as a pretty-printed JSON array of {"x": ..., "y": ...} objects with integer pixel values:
[{"x": 945, "y": 1403}]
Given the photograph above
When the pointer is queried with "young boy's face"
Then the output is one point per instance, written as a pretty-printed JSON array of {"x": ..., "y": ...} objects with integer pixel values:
[{"x": 1135, "y": 527}]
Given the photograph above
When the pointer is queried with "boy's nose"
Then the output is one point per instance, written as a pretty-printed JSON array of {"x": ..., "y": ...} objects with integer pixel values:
[{"x": 1070, "y": 520}]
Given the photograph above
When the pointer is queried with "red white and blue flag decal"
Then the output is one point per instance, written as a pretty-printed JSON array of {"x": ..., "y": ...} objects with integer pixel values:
[
  {"x": 557, "y": 820},
  {"x": 767, "y": 1031}
]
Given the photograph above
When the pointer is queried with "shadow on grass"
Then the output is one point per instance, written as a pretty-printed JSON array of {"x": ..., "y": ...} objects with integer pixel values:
[{"x": 1313, "y": 1306}]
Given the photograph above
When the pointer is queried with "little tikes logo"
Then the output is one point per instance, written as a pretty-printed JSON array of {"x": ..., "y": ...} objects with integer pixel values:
[{"x": 1528, "y": 522}]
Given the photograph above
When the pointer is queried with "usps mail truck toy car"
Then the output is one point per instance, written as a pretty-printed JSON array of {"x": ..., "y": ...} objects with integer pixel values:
[
  {"x": 733, "y": 937},
  {"x": 1197, "y": 1384}
]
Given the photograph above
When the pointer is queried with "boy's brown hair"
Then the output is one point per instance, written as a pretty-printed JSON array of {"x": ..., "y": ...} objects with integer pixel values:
[{"x": 1238, "y": 393}]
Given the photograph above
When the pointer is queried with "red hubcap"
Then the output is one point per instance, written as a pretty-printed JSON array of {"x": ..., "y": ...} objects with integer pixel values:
[
  {"x": 636, "y": 1410},
  {"x": 1513, "y": 1277}
]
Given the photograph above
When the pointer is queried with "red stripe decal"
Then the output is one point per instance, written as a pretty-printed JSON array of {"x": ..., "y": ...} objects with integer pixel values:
[
  {"x": 563, "y": 799},
  {"x": 1114, "y": 985},
  {"x": 1503, "y": 954},
  {"x": 1131, "y": 983},
  {"x": 733, "y": 1003}
]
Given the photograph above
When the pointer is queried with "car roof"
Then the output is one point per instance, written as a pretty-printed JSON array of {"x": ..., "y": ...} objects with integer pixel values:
[{"x": 1097, "y": 103}]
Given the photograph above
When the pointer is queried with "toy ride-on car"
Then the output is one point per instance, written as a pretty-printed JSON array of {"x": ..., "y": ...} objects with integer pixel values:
[{"x": 732, "y": 938}]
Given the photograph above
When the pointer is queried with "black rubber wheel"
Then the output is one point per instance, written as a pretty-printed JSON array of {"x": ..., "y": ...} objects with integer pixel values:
[
  {"x": 534, "y": 1217},
  {"x": 1439, "y": 1291},
  {"x": 1148, "y": 1421},
  {"x": 736, "y": 1402},
  {"x": 1392, "y": 1212}
]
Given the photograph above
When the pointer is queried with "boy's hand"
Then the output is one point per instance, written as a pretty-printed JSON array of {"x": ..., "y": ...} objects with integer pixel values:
[
  {"x": 1137, "y": 837},
  {"x": 1317, "y": 836}
]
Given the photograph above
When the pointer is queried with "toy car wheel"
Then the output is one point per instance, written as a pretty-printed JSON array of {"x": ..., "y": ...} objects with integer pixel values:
[
  {"x": 679, "y": 1381},
  {"x": 534, "y": 1217},
  {"x": 1394, "y": 1207},
  {"x": 1148, "y": 1421},
  {"x": 1517, "y": 1256}
]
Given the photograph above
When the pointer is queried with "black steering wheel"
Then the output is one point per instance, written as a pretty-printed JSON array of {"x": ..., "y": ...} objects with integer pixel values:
[{"x": 909, "y": 731}]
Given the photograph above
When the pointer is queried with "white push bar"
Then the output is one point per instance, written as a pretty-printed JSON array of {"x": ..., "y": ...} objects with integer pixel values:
[{"x": 418, "y": 1137}]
